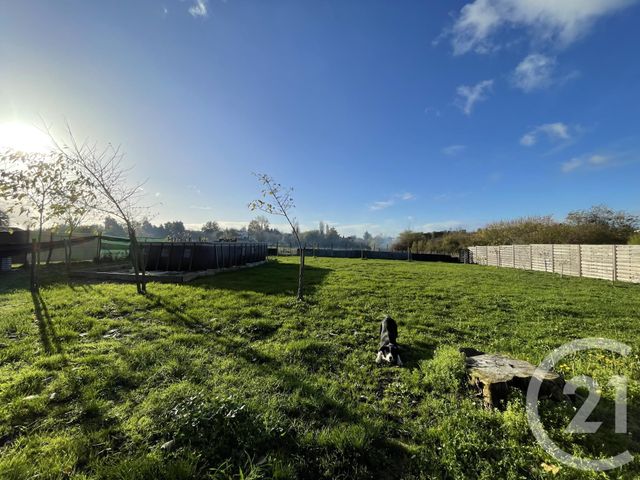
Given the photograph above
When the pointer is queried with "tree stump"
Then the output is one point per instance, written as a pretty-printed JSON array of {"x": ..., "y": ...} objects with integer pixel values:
[{"x": 493, "y": 375}]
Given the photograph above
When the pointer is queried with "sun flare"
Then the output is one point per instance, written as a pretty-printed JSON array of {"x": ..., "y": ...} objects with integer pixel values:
[{"x": 23, "y": 137}]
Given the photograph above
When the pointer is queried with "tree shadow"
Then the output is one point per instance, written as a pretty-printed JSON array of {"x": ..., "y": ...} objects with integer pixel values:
[
  {"x": 259, "y": 362},
  {"x": 605, "y": 442},
  {"x": 290, "y": 380},
  {"x": 415, "y": 351},
  {"x": 272, "y": 278},
  {"x": 48, "y": 275},
  {"x": 48, "y": 336},
  {"x": 194, "y": 324}
]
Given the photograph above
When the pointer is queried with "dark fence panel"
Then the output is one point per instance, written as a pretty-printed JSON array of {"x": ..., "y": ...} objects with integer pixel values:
[
  {"x": 191, "y": 256},
  {"x": 373, "y": 254},
  {"x": 18, "y": 245}
]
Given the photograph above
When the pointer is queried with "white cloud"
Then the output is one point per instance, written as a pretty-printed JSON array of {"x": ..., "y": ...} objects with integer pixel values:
[
  {"x": 534, "y": 72},
  {"x": 469, "y": 95},
  {"x": 381, "y": 205},
  {"x": 453, "y": 150},
  {"x": 528, "y": 139},
  {"x": 588, "y": 162},
  {"x": 537, "y": 71},
  {"x": 199, "y": 8},
  {"x": 407, "y": 196},
  {"x": 571, "y": 165},
  {"x": 555, "y": 22},
  {"x": 599, "y": 160},
  {"x": 554, "y": 131}
]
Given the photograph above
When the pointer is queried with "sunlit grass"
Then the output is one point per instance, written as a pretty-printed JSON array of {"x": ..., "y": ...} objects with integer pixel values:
[{"x": 230, "y": 377}]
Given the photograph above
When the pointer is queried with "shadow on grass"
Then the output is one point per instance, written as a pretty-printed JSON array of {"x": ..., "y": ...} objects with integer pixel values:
[
  {"x": 195, "y": 324},
  {"x": 262, "y": 364},
  {"x": 415, "y": 352},
  {"x": 48, "y": 275},
  {"x": 272, "y": 278},
  {"x": 605, "y": 442},
  {"x": 290, "y": 381},
  {"x": 48, "y": 335}
]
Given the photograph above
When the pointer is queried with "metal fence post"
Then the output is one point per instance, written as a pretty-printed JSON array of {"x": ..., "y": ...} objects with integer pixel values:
[
  {"x": 530, "y": 257},
  {"x": 99, "y": 248},
  {"x": 579, "y": 260}
]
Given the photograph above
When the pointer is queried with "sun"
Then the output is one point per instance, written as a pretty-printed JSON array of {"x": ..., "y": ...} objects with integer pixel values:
[{"x": 23, "y": 137}]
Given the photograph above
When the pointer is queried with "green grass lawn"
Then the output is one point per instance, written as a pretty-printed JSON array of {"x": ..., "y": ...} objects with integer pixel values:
[{"x": 230, "y": 377}]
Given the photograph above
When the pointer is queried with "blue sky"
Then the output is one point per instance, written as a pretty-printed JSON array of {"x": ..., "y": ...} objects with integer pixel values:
[{"x": 382, "y": 115}]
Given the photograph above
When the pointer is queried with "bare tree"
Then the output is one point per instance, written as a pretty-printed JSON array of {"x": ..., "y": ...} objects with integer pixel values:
[
  {"x": 113, "y": 194},
  {"x": 282, "y": 205}
]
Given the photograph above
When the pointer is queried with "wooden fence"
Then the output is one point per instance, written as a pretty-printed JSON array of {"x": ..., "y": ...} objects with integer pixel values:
[{"x": 607, "y": 262}]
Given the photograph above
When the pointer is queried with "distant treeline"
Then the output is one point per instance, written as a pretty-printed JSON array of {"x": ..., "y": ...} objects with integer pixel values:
[
  {"x": 598, "y": 225},
  {"x": 258, "y": 229}
]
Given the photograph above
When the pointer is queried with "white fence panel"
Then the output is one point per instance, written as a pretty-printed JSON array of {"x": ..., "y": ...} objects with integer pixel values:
[{"x": 606, "y": 262}]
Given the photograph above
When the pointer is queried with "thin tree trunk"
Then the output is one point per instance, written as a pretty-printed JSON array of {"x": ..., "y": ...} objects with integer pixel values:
[
  {"x": 39, "y": 243},
  {"x": 35, "y": 259},
  {"x": 50, "y": 248},
  {"x": 143, "y": 270},
  {"x": 34, "y": 271},
  {"x": 66, "y": 255},
  {"x": 301, "y": 275},
  {"x": 133, "y": 253},
  {"x": 67, "y": 251}
]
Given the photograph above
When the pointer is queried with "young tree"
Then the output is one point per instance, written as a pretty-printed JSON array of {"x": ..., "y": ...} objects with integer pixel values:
[
  {"x": 75, "y": 203},
  {"x": 277, "y": 200},
  {"x": 114, "y": 195},
  {"x": 43, "y": 187},
  {"x": 30, "y": 183}
]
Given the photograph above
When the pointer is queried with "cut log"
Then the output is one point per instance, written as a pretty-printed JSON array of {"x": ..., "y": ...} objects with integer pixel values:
[
  {"x": 470, "y": 352},
  {"x": 493, "y": 375}
]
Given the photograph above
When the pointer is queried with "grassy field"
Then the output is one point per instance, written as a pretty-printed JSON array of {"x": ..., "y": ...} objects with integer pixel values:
[{"x": 230, "y": 377}]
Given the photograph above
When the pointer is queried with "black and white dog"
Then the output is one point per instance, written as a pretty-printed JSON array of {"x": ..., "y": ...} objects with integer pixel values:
[{"x": 388, "y": 351}]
